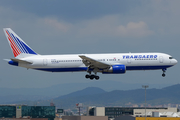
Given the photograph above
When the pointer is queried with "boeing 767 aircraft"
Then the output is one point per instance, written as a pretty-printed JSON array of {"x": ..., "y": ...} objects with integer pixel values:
[{"x": 116, "y": 63}]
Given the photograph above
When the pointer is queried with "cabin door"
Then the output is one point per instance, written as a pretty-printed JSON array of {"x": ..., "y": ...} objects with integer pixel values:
[
  {"x": 161, "y": 59},
  {"x": 45, "y": 62}
]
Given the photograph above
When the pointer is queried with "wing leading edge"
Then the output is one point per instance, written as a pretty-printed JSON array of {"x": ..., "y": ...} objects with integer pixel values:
[{"x": 89, "y": 62}]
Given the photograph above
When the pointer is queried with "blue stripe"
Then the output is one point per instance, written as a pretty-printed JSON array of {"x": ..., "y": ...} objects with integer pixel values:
[
  {"x": 147, "y": 67},
  {"x": 21, "y": 45},
  {"x": 29, "y": 49},
  {"x": 85, "y": 68},
  {"x": 25, "y": 51},
  {"x": 18, "y": 44},
  {"x": 13, "y": 39},
  {"x": 26, "y": 48}
]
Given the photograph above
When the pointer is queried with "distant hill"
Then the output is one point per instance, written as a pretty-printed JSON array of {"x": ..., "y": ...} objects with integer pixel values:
[
  {"x": 66, "y": 88},
  {"x": 84, "y": 92},
  {"x": 93, "y": 96}
]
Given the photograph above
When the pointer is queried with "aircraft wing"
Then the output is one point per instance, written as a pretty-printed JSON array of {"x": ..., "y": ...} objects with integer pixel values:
[
  {"x": 21, "y": 61},
  {"x": 93, "y": 63}
]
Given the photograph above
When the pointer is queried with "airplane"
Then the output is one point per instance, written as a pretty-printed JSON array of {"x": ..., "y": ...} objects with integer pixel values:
[{"x": 116, "y": 63}]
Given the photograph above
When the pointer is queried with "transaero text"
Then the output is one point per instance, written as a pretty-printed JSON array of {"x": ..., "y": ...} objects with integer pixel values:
[{"x": 139, "y": 56}]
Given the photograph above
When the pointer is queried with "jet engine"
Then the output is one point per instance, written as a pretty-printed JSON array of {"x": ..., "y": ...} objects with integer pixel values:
[{"x": 115, "y": 69}]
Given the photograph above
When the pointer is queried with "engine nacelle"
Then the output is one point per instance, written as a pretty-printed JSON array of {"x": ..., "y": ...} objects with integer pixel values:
[{"x": 115, "y": 69}]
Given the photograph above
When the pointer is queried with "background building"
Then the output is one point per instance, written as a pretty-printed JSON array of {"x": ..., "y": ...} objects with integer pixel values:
[
  {"x": 113, "y": 112},
  {"x": 22, "y": 111}
]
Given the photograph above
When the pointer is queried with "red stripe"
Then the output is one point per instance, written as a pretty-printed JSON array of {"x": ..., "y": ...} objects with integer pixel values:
[
  {"x": 15, "y": 54},
  {"x": 10, "y": 39},
  {"x": 13, "y": 49},
  {"x": 14, "y": 43},
  {"x": 16, "y": 50}
]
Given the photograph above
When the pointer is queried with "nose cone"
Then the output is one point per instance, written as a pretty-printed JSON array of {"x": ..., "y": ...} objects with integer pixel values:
[{"x": 174, "y": 61}]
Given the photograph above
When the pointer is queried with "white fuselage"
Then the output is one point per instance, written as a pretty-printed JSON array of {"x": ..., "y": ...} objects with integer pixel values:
[{"x": 72, "y": 63}]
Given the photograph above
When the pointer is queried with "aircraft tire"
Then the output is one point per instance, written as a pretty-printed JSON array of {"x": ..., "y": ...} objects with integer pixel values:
[
  {"x": 92, "y": 77},
  {"x": 97, "y": 77},
  {"x": 163, "y": 75},
  {"x": 87, "y": 76}
]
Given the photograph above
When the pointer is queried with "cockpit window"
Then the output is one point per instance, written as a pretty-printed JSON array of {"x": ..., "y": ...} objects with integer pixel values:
[{"x": 170, "y": 57}]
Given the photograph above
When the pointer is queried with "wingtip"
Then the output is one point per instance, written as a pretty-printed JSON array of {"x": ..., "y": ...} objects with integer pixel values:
[{"x": 81, "y": 55}]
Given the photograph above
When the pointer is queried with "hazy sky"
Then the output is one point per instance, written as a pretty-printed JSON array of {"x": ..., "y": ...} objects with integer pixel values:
[{"x": 90, "y": 26}]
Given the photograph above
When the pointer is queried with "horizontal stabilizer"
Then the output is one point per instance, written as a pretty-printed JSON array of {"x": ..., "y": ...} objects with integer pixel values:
[
  {"x": 21, "y": 61},
  {"x": 7, "y": 60}
]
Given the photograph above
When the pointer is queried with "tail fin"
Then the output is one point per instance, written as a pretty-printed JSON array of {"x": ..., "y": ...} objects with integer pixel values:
[{"x": 19, "y": 48}]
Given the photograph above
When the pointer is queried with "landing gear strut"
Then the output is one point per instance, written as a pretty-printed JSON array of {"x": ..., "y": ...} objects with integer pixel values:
[{"x": 164, "y": 70}]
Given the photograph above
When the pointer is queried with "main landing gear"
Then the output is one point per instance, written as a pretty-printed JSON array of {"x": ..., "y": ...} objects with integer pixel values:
[
  {"x": 164, "y": 70},
  {"x": 92, "y": 77}
]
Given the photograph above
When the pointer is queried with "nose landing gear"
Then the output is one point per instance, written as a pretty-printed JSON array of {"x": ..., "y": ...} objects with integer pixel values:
[
  {"x": 164, "y": 70},
  {"x": 163, "y": 75}
]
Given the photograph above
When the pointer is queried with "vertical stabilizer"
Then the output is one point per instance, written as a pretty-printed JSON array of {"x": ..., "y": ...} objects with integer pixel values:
[{"x": 19, "y": 48}]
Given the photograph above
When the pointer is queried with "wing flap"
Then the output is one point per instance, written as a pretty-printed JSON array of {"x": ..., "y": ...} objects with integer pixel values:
[{"x": 92, "y": 62}]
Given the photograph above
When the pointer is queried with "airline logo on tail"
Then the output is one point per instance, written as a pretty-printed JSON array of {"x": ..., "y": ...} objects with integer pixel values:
[{"x": 17, "y": 45}]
